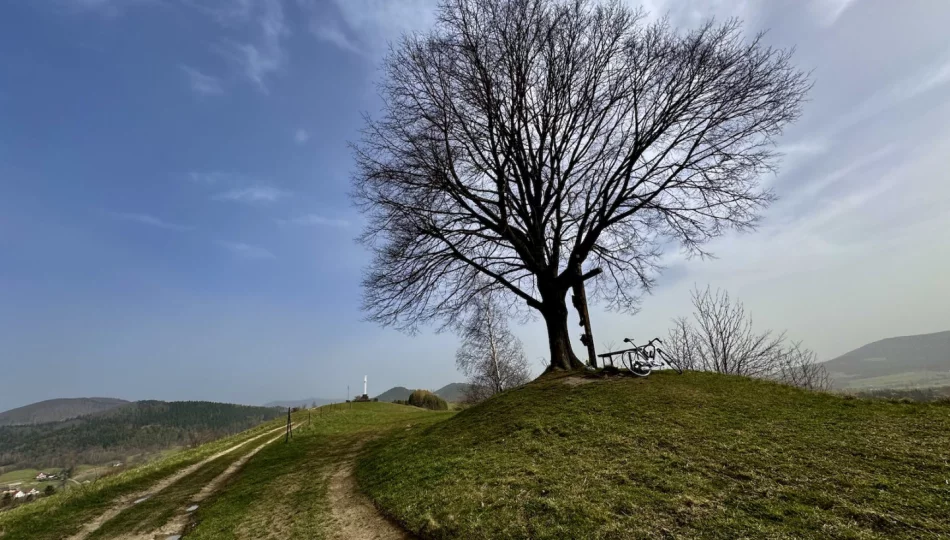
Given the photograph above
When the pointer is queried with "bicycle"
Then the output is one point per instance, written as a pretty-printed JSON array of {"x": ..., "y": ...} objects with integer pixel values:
[{"x": 641, "y": 361}]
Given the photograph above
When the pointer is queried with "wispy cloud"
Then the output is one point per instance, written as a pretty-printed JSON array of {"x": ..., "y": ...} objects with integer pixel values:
[
  {"x": 107, "y": 8},
  {"x": 247, "y": 251},
  {"x": 924, "y": 80},
  {"x": 201, "y": 83},
  {"x": 797, "y": 153},
  {"x": 211, "y": 177},
  {"x": 829, "y": 11},
  {"x": 264, "y": 54},
  {"x": 930, "y": 78},
  {"x": 811, "y": 189},
  {"x": 253, "y": 194},
  {"x": 151, "y": 221},
  {"x": 334, "y": 35},
  {"x": 301, "y": 136},
  {"x": 367, "y": 26},
  {"x": 314, "y": 220}
]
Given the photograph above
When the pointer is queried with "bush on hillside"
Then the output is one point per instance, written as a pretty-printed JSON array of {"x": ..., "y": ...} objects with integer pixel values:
[{"x": 427, "y": 400}]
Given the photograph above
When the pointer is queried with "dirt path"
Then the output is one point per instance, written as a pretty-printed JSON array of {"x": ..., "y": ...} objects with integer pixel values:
[
  {"x": 126, "y": 501},
  {"x": 175, "y": 527},
  {"x": 355, "y": 515}
]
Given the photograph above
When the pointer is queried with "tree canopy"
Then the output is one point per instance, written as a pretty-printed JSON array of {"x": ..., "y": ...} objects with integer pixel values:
[{"x": 521, "y": 140}]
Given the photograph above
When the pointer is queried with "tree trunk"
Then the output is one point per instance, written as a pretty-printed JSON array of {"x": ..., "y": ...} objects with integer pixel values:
[
  {"x": 492, "y": 348},
  {"x": 554, "y": 311}
]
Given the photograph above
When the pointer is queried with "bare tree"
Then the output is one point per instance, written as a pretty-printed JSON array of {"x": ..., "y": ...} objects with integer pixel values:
[
  {"x": 521, "y": 140},
  {"x": 721, "y": 338},
  {"x": 799, "y": 367},
  {"x": 491, "y": 356},
  {"x": 680, "y": 345}
]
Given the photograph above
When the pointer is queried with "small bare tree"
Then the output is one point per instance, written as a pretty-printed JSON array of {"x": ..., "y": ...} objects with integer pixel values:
[
  {"x": 679, "y": 344},
  {"x": 799, "y": 367},
  {"x": 491, "y": 356},
  {"x": 521, "y": 140},
  {"x": 721, "y": 338}
]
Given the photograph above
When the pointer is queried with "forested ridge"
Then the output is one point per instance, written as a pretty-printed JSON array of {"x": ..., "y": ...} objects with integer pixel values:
[{"x": 136, "y": 428}]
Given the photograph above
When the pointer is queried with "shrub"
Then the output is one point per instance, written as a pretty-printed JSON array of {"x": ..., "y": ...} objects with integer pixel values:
[{"x": 427, "y": 400}]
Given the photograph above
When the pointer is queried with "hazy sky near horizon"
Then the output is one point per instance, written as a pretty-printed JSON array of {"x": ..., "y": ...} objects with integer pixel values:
[{"x": 174, "y": 219}]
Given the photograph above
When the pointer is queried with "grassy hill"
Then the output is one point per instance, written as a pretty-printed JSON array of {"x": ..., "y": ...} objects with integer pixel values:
[
  {"x": 57, "y": 410},
  {"x": 117, "y": 433},
  {"x": 63, "y": 514},
  {"x": 453, "y": 392},
  {"x": 693, "y": 456},
  {"x": 397, "y": 392},
  {"x": 283, "y": 491},
  {"x": 918, "y": 361},
  {"x": 300, "y": 403}
]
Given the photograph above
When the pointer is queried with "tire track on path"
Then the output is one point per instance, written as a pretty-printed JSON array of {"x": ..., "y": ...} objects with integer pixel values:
[
  {"x": 175, "y": 527},
  {"x": 126, "y": 501}
]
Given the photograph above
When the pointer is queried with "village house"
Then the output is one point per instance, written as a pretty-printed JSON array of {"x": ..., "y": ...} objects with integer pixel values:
[{"x": 23, "y": 495}]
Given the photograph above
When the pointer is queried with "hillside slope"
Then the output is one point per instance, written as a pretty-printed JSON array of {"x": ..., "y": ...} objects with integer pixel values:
[
  {"x": 114, "y": 434},
  {"x": 452, "y": 392},
  {"x": 57, "y": 410},
  {"x": 257, "y": 484},
  {"x": 693, "y": 456},
  {"x": 922, "y": 360},
  {"x": 400, "y": 393},
  {"x": 306, "y": 403},
  {"x": 67, "y": 513}
]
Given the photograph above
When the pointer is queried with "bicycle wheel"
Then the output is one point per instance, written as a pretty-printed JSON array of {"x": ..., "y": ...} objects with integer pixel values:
[
  {"x": 670, "y": 362},
  {"x": 641, "y": 369},
  {"x": 626, "y": 360}
]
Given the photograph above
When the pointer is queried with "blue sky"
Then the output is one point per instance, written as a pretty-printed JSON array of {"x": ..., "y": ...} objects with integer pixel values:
[{"x": 174, "y": 220}]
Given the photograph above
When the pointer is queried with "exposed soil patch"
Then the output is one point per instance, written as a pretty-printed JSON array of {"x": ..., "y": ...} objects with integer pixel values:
[
  {"x": 577, "y": 381},
  {"x": 354, "y": 514}
]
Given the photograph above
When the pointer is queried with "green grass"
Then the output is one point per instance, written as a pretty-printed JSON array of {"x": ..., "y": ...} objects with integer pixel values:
[
  {"x": 692, "y": 456},
  {"x": 23, "y": 475},
  {"x": 160, "y": 508},
  {"x": 282, "y": 491},
  {"x": 922, "y": 379},
  {"x": 65, "y": 513}
]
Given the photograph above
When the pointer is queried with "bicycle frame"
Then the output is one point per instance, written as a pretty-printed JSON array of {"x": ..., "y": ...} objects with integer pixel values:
[{"x": 643, "y": 359}]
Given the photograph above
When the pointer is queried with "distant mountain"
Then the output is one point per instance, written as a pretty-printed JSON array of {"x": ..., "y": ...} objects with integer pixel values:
[
  {"x": 133, "y": 428},
  {"x": 300, "y": 403},
  {"x": 452, "y": 392},
  {"x": 449, "y": 392},
  {"x": 57, "y": 410},
  {"x": 899, "y": 362},
  {"x": 398, "y": 392}
]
